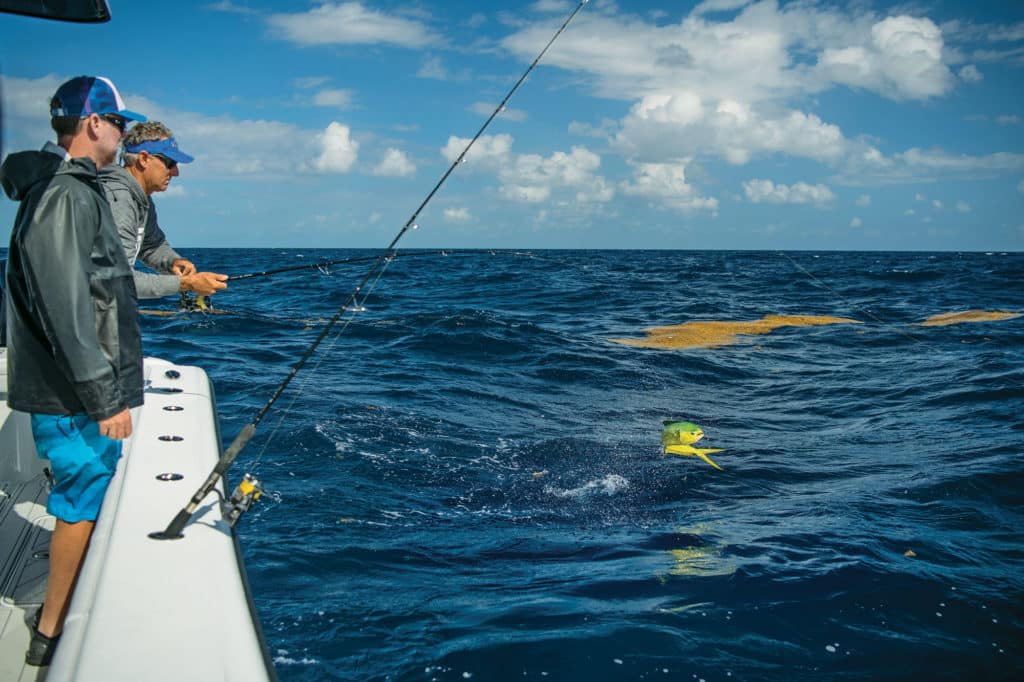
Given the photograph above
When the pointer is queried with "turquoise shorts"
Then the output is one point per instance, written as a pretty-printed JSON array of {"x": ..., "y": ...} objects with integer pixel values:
[{"x": 82, "y": 462}]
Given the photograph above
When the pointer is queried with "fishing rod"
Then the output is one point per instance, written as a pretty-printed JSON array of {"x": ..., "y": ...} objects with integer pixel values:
[{"x": 249, "y": 489}]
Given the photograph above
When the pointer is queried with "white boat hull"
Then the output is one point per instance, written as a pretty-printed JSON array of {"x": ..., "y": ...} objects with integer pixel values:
[{"x": 143, "y": 608}]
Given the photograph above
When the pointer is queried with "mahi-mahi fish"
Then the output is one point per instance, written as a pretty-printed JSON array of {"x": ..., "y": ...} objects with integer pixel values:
[{"x": 678, "y": 438}]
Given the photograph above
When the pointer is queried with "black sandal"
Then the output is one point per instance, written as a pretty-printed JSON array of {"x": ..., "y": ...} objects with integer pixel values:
[{"x": 40, "y": 647}]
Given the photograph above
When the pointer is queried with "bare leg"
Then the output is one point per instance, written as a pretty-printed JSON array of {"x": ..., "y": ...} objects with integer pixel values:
[{"x": 67, "y": 550}]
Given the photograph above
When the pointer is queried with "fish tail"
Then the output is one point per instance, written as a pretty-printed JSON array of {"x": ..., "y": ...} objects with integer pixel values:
[{"x": 703, "y": 455}]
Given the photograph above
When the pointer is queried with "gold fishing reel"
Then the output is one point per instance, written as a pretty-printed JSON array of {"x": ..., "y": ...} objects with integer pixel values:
[{"x": 248, "y": 491}]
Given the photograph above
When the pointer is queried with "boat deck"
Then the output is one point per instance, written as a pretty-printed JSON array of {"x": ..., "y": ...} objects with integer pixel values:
[
  {"x": 138, "y": 601},
  {"x": 25, "y": 530}
]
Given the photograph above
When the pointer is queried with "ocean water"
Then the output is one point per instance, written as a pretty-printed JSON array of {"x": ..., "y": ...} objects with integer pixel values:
[{"x": 467, "y": 482}]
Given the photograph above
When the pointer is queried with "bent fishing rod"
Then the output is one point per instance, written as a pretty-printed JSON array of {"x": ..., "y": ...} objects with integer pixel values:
[{"x": 248, "y": 490}]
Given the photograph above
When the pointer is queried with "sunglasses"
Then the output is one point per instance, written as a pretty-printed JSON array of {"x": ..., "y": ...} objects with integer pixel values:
[
  {"x": 116, "y": 121},
  {"x": 171, "y": 164}
]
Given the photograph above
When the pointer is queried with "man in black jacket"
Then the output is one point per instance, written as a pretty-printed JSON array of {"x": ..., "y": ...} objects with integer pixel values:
[{"x": 74, "y": 349}]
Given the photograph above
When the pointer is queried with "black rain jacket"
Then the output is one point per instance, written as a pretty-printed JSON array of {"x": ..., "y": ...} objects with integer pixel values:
[{"x": 73, "y": 341}]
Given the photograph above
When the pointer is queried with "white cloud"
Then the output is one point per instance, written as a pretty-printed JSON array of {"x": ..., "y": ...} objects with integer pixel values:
[
  {"x": 938, "y": 160},
  {"x": 937, "y": 204},
  {"x": 666, "y": 184},
  {"x": 920, "y": 197},
  {"x": 488, "y": 151},
  {"x": 338, "y": 150},
  {"x": 863, "y": 200},
  {"x": 395, "y": 164},
  {"x": 798, "y": 193},
  {"x": 457, "y": 215},
  {"x": 350, "y": 23},
  {"x": 433, "y": 67},
  {"x": 971, "y": 74},
  {"x": 310, "y": 82},
  {"x": 909, "y": 211},
  {"x": 1020, "y": 187},
  {"x": 551, "y": 6},
  {"x": 532, "y": 178},
  {"x": 709, "y": 6},
  {"x": 1008, "y": 120},
  {"x": 901, "y": 59},
  {"x": 666, "y": 126},
  {"x": 487, "y": 108},
  {"x": 230, "y": 7},
  {"x": 341, "y": 99},
  {"x": 766, "y": 52},
  {"x": 722, "y": 83},
  {"x": 26, "y": 109},
  {"x": 856, "y": 222},
  {"x": 963, "y": 207}
]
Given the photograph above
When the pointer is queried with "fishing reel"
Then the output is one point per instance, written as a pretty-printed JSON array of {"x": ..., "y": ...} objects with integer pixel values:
[
  {"x": 248, "y": 491},
  {"x": 190, "y": 303}
]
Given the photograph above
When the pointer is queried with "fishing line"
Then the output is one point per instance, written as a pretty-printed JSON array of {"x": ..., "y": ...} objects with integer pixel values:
[
  {"x": 176, "y": 525},
  {"x": 319, "y": 265},
  {"x": 853, "y": 306}
]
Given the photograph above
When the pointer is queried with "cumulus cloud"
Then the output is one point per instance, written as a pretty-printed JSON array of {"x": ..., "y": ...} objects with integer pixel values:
[
  {"x": 532, "y": 178},
  {"x": 350, "y": 23},
  {"x": 721, "y": 82},
  {"x": 856, "y": 222},
  {"x": 489, "y": 150},
  {"x": 863, "y": 200},
  {"x": 457, "y": 215},
  {"x": 963, "y": 207},
  {"x": 902, "y": 58},
  {"x": 664, "y": 126},
  {"x": 798, "y": 193},
  {"x": 27, "y": 110},
  {"x": 338, "y": 150},
  {"x": 766, "y": 52},
  {"x": 665, "y": 183},
  {"x": 1008, "y": 120},
  {"x": 395, "y": 164}
]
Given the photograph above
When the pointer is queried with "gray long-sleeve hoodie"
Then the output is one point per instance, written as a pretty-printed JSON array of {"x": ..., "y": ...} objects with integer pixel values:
[{"x": 141, "y": 236}]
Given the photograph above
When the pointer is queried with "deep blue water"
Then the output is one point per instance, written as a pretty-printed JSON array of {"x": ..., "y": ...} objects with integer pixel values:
[{"x": 468, "y": 482}]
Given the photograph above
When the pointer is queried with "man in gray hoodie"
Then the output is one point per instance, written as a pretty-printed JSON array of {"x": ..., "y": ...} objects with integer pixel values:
[
  {"x": 74, "y": 351},
  {"x": 151, "y": 157}
]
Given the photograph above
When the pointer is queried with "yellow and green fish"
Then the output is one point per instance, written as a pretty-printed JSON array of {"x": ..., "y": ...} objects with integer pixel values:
[{"x": 678, "y": 437}]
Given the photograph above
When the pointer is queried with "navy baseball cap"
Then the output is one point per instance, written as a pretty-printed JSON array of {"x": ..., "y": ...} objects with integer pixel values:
[
  {"x": 86, "y": 95},
  {"x": 168, "y": 148}
]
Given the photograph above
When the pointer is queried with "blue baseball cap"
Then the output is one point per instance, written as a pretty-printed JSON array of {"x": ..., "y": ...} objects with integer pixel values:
[
  {"x": 168, "y": 148},
  {"x": 86, "y": 95}
]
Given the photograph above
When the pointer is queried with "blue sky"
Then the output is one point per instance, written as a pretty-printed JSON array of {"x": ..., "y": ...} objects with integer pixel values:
[{"x": 718, "y": 124}]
